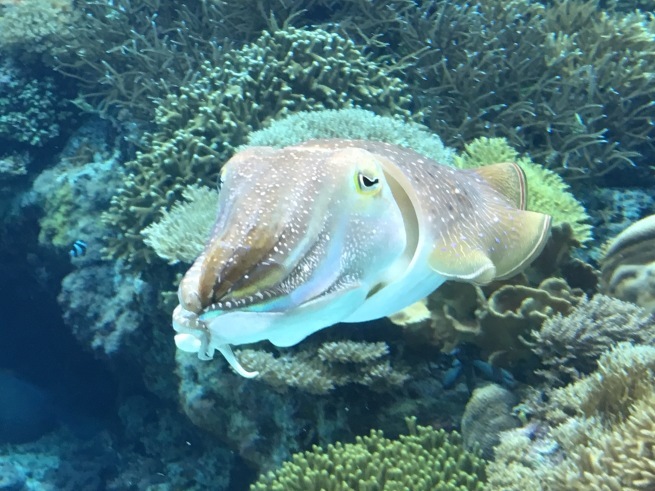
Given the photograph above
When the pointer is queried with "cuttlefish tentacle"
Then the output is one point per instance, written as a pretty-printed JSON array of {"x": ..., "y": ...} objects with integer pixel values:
[{"x": 335, "y": 231}]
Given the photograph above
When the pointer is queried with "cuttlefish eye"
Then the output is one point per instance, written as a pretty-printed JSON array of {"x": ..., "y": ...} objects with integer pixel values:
[{"x": 367, "y": 183}]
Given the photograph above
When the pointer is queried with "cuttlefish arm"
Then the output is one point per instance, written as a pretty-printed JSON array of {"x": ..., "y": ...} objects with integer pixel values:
[{"x": 194, "y": 336}]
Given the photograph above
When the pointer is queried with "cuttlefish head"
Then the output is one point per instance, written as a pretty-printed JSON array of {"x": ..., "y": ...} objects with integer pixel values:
[{"x": 302, "y": 236}]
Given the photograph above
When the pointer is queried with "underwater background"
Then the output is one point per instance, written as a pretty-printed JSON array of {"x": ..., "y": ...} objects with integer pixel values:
[{"x": 115, "y": 118}]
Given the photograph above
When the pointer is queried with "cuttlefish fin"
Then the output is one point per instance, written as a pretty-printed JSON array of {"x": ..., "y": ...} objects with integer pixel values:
[
  {"x": 508, "y": 179},
  {"x": 493, "y": 239}
]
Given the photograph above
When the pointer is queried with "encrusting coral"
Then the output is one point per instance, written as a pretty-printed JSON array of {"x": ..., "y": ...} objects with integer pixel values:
[
  {"x": 198, "y": 128},
  {"x": 425, "y": 459}
]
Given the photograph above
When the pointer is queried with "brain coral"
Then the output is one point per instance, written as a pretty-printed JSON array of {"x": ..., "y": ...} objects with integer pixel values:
[{"x": 199, "y": 128}]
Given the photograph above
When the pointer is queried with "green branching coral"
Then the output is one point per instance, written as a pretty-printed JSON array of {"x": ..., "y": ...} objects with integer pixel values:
[
  {"x": 199, "y": 128},
  {"x": 547, "y": 192},
  {"x": 425, "y": 459}
]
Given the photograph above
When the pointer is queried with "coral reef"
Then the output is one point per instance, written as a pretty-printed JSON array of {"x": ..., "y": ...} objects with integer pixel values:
[
  {"x": 566, "y": 81},
  {"x": 594, "y": 434},
  {"x": 31, "y": 111},
  {"x": 108, "y": 310},
  {"x": 13, "y": 165},
  {"x": 612, "y": 210},
  {"x": 126, "y": 54},
  {"x": 487, "y": 414},
  {"x": 199, "y": 128},
  {"x": 180, "y": 234},
  {"x": 37, "y": 27},
  {"x": 320, "y": 370},
  {"x": 424, "y": 459},
  {"x": 628, "y": 265},
  {"x": 495, "y": 318},
  {"x": 352, "y": 124},
  {"x": 569, "y": 346}
]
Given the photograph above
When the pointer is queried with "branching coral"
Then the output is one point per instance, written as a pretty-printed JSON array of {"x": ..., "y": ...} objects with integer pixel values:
[
  {"x": 425, "y": 459},
  {"x": 566, "y": 81},
  {"x": 598, "y": 432},
  {"x": 199, "y": 128},
  {"x": 569, "y": 346},
  {"x": 127, "y": 53},
  {"x": 332, "y": 364}
]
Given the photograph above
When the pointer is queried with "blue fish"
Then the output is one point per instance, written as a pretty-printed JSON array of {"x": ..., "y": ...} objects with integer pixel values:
[{"x": 78, "y": 249}]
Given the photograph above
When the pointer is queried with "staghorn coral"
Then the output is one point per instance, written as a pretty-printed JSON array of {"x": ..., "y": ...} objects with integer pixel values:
[
  {"x": 628, "y": 265},
  {"x": 569, "y": 346},
  {"x": 547, "y": 192},
  {"x": 424, "y": 459},
  {"x": 567, "y": 81},
  {"x": 330, "y": 365},
  {"x": 199, "y": 128},
  {"x": 125, "y": 54}
]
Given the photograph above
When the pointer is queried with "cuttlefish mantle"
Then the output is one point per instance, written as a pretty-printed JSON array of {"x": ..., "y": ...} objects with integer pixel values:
[{"x": 332, "y": 231}]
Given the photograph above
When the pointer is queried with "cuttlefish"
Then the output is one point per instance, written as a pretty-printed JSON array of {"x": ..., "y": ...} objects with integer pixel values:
[{"x": 332, "y": 231}]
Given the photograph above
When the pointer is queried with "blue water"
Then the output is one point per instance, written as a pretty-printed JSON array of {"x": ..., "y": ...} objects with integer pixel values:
[{"x": 109, "y": 109}]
